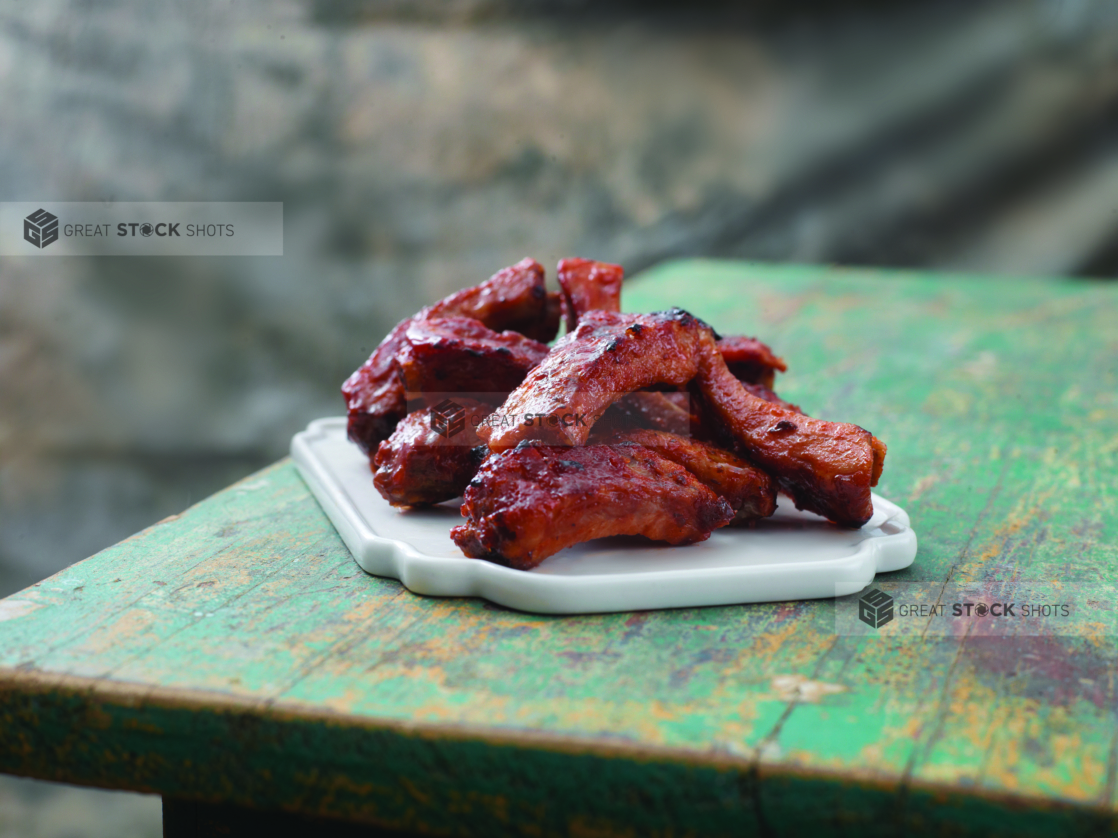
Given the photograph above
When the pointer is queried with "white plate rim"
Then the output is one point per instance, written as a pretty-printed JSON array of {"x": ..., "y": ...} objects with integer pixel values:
[{"x": 542, "y": 592}]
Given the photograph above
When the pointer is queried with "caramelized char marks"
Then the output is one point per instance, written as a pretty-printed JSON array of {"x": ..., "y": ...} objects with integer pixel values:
[
  {"x": 460, "y": 355},
  {"x": 533, "y": 501},
  {"x": 606, "y": 357},
  {"x": 751, "y": 361},
  {"x": 513, "y": 298},
  {"x": 826, "y": 467},
  {"x": 587, "y": 286},
  {"x": 417, "y": 466},
  {"x": 750, "y": 492}
]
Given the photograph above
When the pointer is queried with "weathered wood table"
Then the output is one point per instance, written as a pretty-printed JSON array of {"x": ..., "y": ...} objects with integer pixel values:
[{"x": 235, "y": 654}]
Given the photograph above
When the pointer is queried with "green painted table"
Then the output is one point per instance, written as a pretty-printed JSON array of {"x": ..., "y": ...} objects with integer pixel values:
[{"x": 235, "y": 654}]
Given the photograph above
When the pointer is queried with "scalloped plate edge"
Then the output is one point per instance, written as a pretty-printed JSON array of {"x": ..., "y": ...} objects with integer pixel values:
[{"x": 553, "y": 594}]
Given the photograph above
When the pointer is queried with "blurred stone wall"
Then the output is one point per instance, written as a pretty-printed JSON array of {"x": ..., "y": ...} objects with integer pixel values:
[{"x": 418, "y": 147}]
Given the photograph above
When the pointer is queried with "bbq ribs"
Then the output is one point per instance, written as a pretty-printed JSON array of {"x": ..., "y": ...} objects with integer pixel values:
[
  {"x": 588, "y": 286},
  {"x": 460, "y": 355},
  {"x": 631, "y": 424},
  {"x": 608, "y": 356},
  {"x": 826, "y": 467},
  {"x": 750, "y": 492},
  {"x": 514, "y": 298},
  {"x": 426, "y": 461},
  {"x": 532, "y": 501}
]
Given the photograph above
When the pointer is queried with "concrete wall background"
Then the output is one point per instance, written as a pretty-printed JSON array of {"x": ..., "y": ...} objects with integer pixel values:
[{"x": 419, "y": 146}]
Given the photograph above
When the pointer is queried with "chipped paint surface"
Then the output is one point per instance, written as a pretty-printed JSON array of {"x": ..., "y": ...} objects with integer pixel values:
[
  {"x": 236, "y": 652},
  {"x": 13, "y": 607},
  {"x": 799, "y": 688}
]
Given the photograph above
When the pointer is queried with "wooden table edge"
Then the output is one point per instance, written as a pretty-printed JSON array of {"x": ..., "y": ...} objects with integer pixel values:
[{"x": 130, "y": 701}]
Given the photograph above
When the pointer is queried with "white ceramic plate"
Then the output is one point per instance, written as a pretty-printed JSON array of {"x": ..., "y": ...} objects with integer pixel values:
[{"x": 793, "y": 555}]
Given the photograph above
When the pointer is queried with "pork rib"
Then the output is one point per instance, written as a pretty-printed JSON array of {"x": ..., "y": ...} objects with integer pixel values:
[
  {"x": 461, "y": 355},
  {"x": 432, "y": 455},
  {"x": 825, "y": 467},
  {"x": 750, "y": 492},
  {"x": 606, "y": 357},
  {"x": 751, "y": 361},
  {"x": 513, "y": 298},
  {"x": 533, "y": 501},
  {"x": 587, "y": 286}
]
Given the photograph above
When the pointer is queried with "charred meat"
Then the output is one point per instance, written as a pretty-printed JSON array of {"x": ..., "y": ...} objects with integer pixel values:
[
  {"x": 826, "y": 467},
  {"x": 514, "y": 298},
  {"x": 432, "y": 455},
  {"x": 608, "y": 356},
  {"x": 588, "y": 286},
  {"x": 750, "y": 492},
  {"x": 533, "y": 501},
  {"x": 632, "y": 424},
  {"x": 461, "y": 355}
]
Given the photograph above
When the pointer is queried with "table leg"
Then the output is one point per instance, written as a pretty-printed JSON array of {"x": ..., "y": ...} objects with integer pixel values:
[{"x": 189, "y": 819}]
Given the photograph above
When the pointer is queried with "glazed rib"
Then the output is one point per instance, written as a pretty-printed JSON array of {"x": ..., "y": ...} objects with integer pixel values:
[
  {"x": 513, "y": 298},
  {"x": 606, "y": 357},
  {"x": 461, "y": 355},
  {"x": 533, "y": 501},
  {"x": 587, "y": 286},
  {"x": 751, "y": 361},
  {"x": 750, "y": 492},
  {"x": 417, "y": 465},
  {"x": 825, "y": 467}
]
